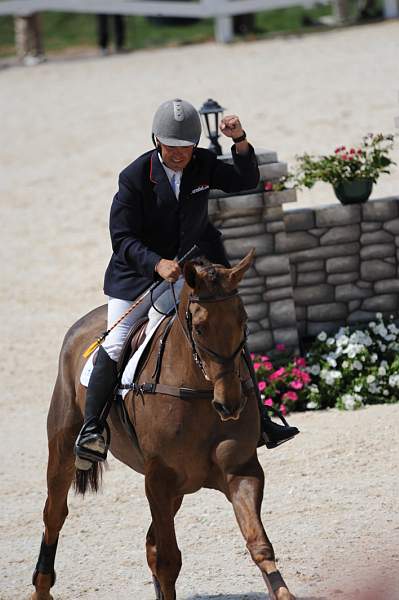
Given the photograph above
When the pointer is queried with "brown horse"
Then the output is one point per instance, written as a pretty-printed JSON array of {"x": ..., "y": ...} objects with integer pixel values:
[{"x": 206, "y": 439}]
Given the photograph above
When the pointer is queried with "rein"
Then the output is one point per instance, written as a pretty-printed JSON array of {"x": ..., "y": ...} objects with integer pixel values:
[{"x": 154, "y": 387}]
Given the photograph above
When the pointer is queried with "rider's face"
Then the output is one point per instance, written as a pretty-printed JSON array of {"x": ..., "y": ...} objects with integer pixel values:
[{"x": 176, "y": 157}]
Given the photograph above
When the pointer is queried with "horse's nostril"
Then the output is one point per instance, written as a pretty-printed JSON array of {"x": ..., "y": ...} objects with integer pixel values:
[{"x": 222, "y": 409}]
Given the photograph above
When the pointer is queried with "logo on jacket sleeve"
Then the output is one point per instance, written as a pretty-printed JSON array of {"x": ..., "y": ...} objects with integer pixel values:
[{"x": 200, "y": 188}]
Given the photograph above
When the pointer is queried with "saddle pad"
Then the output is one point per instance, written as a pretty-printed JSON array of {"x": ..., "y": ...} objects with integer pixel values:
[{"x": 130, "y": 370}]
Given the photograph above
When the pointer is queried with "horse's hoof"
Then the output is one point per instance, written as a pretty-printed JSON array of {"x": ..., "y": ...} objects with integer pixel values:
[
  {"x": 41, "y": 596},
  {"x": 283, "y": 594}
]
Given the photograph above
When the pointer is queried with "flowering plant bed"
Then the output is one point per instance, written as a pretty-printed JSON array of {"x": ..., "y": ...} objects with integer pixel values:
[
  {"x": 351, "y": 369},
  {"x": 367, "y": 161},
  {"x": 346, "y": 370},
  {"x": 284, "y": 386}
]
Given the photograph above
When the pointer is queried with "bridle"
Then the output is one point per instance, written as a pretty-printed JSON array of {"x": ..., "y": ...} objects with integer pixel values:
[{"x": 196, "y": 347}]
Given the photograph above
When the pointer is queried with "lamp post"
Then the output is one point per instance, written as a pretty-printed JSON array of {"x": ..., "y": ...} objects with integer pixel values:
[{"x": 210, "y": 112}]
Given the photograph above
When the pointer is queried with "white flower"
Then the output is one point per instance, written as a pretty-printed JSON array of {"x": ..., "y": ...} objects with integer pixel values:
[
  {"x": 357, "y": 365},
  {"x": 352, "y": 349},
  {"x": 370, "y": 379},
  {"x": 331, "y": 361},
  {"x": 384, "y": 364},
  {"x": 382, "y": 347},
  {"x": 382, "y": 371},
  {"x": 322, "y": 336},
  {"x": 358, "y": 387},
  {"x": 313, "y": 388},
  {"x": 310, "y": 405},
  {"x": 394, "y": 380},
  {"x": 386, "y": 392},
  {"x": 351, "y": 401},
  {"x": 374, "y": 388},
  {"x": 330, "y": 341},
  {"x": 330, "y": 376},
  {"x": 314, "y": 369},
  {"x": 345, "y": 364},
  {"x": 374, "y": 357},
  {"x": 378, "y": 316},
  {"x": 342, "y": 340}
]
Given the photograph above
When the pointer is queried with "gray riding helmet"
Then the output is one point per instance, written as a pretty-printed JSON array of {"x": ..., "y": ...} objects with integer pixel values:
[{"x": 177, "y": 123}]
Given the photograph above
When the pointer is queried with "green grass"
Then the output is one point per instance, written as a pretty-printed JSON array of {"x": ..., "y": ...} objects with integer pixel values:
[{"x": 66, "y": 30}]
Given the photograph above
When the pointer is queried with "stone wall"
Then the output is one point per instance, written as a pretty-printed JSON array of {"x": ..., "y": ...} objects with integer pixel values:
[
  {"x": 344, "y": 263},
  {"x": 315, "y": 269},
  {"x": 254, "y": 221}
]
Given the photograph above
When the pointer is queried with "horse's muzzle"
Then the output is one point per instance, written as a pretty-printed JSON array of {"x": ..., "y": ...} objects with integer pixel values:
[{"x": 226, "y": 413}]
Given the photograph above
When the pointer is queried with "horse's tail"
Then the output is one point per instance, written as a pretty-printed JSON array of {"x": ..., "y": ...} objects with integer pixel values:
[{"x": 89, "y": 480}]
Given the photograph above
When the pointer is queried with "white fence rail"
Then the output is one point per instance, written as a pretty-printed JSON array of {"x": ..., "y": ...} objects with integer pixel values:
[{"x": 222, "y": 11}]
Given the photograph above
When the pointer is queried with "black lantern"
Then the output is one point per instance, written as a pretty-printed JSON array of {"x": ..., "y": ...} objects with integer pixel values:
[{"x": 210, "y": 112}]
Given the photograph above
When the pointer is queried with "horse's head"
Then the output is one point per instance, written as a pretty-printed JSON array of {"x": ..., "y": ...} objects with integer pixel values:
[{"x": 216, "y": 323}]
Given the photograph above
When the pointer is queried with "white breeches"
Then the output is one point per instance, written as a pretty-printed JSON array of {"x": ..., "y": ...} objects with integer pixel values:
[{"x": 163, "y": 301}]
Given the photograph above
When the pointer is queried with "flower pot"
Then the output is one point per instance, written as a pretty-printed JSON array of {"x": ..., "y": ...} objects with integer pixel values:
[{"x": 354, "y": 191}]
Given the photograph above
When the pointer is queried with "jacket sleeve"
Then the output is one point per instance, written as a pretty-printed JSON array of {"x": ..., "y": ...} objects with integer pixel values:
[
  {"x": 243, "y": 175},
  {"x": 126, "y": 229}
]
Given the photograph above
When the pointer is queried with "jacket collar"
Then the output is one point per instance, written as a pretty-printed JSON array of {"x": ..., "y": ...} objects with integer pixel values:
[{"x": 159, "y": 178}]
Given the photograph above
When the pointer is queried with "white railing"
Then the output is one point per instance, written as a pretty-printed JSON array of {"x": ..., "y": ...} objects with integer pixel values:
[{"x": 222, "y": 11}]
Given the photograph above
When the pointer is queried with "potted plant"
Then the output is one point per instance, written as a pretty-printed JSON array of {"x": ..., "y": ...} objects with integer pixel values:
[{"x": 352, "y": 171}]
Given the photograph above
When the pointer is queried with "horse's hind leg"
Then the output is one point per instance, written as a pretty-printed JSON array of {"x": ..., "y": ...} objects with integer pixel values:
[
  {"x": 163, "y": 554},
  {"x": 64, "y": 421},
  {"x": 245, "y": 491}
]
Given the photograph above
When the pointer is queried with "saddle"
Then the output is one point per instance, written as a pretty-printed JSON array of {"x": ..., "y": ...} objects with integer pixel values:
[{"x": 133, "y": 341}]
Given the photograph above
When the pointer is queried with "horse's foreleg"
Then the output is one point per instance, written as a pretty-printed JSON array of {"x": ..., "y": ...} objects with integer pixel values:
[
  {"x": 60, "y": 473},
  {"x": 151, "y": 546},
  {"x": 163, "y": 554},
  {"x": 245, "y": 491}
]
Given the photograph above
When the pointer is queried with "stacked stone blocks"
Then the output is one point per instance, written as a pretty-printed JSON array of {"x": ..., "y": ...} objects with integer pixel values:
[
  {"x": 344, "y": 263},
  {"x": 254, "y": 221},
  {"x": 314, "y": 269}
]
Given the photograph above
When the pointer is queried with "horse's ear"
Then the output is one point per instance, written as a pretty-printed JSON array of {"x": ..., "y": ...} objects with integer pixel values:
[
  {"x": 190, "y": 274},
  {"x": 237, "y": 273}
]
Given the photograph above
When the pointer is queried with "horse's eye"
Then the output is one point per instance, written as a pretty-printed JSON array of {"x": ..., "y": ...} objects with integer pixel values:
[{"x": 198, "y": 330}]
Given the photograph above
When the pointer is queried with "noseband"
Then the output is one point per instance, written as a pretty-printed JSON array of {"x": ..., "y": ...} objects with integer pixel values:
[{"x": 196, "y": 346}]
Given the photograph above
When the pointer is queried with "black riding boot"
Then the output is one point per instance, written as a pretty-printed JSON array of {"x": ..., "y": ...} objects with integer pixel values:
[
  {"x": 91, "y": 444},
  {"x": 272, "y": 434}
]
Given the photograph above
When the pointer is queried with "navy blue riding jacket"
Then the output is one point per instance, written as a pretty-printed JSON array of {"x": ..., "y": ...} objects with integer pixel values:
[{"x": 148, "y": 223}]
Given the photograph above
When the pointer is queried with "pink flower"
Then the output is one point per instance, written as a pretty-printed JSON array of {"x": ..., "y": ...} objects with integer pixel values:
[
  {"x": 268, "y": 366},
  {"x": 337, "y": 150},
  {"x": 290, "y": 396},
  {"x": 261, "y": 386},
  {"x": 265, "y": 358},
  {"x": 283, "y": 409},
  {"x": 306, "y": 378},
  {"x": 352, "y": 151},
  {"x": 268, "y": 186},
  {"x": 268, "y": 402},
  {"x": 277, "y": 374},
  {"x": 296, "y": 384},
  {"x": 257, "y": 366},
  {"x": 280, "y": 347},
  {"x": 252, "y": 355},
  {"x": 300, "y": 362}
]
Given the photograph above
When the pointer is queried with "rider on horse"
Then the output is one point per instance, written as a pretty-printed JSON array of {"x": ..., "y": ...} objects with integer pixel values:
[{"x": 159, "y": 212}]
